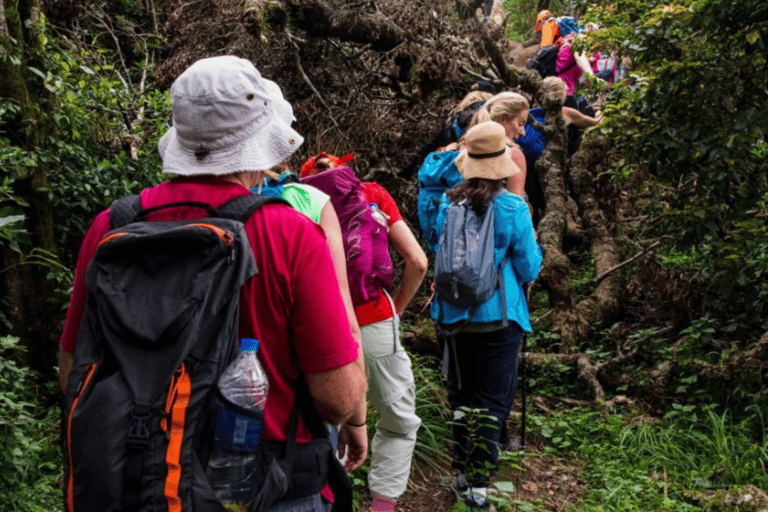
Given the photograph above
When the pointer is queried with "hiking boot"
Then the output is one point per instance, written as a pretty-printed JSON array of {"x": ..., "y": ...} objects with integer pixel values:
[
  {"x": 513, "y": 444},
  {"x": 459, "y": 486}
]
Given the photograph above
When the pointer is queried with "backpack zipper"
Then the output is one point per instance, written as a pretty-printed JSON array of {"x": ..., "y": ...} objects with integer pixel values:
[
  {"x": 111, "y": 237},
  {"x": 225, "y": 236},
  {"x": 89, "y": 373}
]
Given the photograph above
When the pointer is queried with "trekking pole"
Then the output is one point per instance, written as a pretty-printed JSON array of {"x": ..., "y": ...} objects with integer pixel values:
[
  {"x": 524, "y": 372},
  {"x": 524, "y": 375}
]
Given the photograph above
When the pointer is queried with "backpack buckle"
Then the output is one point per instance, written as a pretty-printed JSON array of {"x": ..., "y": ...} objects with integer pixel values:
[{"x": 139, "y": 432}]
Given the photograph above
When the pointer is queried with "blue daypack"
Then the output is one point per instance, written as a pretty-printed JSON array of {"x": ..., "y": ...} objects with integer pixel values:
[
  {"x": 567, "y": 25},
  {"x": 437, "y": 174},
  {"x": 273, "y": 187},
  {"x": 465, "y": 273}
]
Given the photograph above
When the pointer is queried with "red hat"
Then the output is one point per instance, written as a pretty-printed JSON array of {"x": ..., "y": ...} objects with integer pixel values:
[{"x": 308, "y": 169}]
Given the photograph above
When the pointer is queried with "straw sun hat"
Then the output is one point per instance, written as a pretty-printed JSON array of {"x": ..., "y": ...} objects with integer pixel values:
[
  {"x": 486, "y": 154},
  {"x": 226, "y": 118}
]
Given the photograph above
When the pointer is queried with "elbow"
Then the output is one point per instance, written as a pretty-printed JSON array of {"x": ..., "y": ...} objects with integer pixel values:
[
  {"x": 350, "y": 399},
  {"x": 339, "y": 398},
  {"x": 419, "y": 265}
]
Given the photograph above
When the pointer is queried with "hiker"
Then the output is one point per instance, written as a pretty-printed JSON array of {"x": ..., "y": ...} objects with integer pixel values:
[
  {"x": 510, "y": 110},
  {"x": 572, "y": 66},
  {"x": 388, "y": 368},
  {"x": 533, "y": 141},
  {"x": 316, "y": 205},
  {"x": 482, "y": 355},
  {"x": 554, "y": 29},
  {"x": 455, "y": 126},
  {"x": 606, "y": 65},
  {"x": 228, "y": 124},
  {"x": 546, "y": 24}
]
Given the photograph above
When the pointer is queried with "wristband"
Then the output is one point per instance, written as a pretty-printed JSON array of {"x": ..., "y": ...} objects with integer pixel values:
[{"x": 356, "y": 424}]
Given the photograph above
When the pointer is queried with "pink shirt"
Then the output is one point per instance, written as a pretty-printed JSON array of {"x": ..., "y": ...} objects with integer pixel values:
[
  {"x": 378, "y": 309},
  {"x": 567, "y": 69},
  {"x": 295, "y": 292}
]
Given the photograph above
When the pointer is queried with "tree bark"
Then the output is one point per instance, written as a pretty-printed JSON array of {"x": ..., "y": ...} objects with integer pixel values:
[
  {"x": 321, "y": 19},
  {"x": 26, "y": 284},
  {"x": 600, "y": 306},
  {"x": 528, "y": 80},
  {"x": 552, "y": 227}
]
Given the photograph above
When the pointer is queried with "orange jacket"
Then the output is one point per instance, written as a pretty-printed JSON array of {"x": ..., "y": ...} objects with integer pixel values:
[{"x": 550, "y": 33}]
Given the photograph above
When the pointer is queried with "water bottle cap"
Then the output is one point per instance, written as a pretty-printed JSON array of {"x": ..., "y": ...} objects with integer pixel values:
[{"x": 249, "y": 344}]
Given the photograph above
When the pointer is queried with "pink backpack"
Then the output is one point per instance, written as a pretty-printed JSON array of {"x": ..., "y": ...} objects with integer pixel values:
[{"x": 366, "y": 242}]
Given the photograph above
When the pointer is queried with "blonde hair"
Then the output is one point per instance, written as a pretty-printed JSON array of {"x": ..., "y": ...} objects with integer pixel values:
[
  {"x": 502, "y": 107},
  {"x": 554, "y": 85},
  {"x": 470, "y": 98}
]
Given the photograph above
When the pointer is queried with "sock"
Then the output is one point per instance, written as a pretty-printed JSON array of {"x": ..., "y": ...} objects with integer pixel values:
[
  {"x": 382, "y": 504},
  {"x": 477, "y": 495}
]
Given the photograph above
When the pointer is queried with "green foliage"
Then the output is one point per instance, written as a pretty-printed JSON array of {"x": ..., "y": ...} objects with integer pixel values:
[
  {"x": 432, "y": 408},
  {"x": 92, "y": 165},
  {"x": 640, "y": 464},
  {"x": 30, "y": 477},
  {"x": 691, "y": 134},
  {"x": 552, "y": 378},
  {"x": 475, "y": 421},
  {"x": 86, "y": 156}
]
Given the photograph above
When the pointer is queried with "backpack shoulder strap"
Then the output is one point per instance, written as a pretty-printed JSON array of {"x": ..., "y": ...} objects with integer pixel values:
[
  {"x": 241, "y": 208},
  {"x": 124, "y": 211}
]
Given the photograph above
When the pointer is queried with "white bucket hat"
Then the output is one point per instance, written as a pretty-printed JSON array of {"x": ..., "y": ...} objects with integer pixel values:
[{"x": 227, "y": 118}]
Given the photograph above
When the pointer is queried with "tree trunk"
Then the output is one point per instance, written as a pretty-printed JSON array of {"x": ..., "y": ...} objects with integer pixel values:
[
  {"x": 526, "y": 79},
  {"x": 552, "y": 227},
  {"x": 321, "y": 19},
  {"x": 599, "y": 307},
  {"x": 26, "y": 284}
]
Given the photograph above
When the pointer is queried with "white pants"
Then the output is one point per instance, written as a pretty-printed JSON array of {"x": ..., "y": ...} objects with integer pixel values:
[{"x": 391, "y": 391}]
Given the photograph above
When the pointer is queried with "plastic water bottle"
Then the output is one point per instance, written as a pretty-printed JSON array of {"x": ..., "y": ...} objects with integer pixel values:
[
  {"x": 233, "y": 461},
  {"x": 380, "y": 216}
]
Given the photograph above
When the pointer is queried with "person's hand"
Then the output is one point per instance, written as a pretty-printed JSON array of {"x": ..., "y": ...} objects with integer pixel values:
[
  {"x": 599, "y": 116},
  {"x": 353, "y": 442},
  {"x": 453, "y": 146}
]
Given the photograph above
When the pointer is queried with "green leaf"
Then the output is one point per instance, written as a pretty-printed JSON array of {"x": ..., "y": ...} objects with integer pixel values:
[
  {"x": 508, "y": 487},
  {"x": 10, "y": 220},
  {"x": 37, "y": 72},
  {"x": 753, "y": 36}
]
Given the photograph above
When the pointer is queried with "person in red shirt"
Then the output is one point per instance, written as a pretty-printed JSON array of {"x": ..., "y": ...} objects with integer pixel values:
[
  {"x": 388, "y": 368},
  {"x": 228, "y": 120}
]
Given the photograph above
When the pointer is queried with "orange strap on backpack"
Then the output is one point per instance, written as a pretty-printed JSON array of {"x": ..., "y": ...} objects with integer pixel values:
[{"x": 176, "y": 411}]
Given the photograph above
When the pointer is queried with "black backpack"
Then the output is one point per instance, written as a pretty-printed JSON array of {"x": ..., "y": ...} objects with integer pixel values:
[
  {"x": 545, "y": 60},
  {"x": 160, "y": 325}
]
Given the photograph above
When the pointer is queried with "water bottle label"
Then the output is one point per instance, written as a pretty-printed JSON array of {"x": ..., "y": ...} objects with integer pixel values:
[{"x": 235, "y": 431}]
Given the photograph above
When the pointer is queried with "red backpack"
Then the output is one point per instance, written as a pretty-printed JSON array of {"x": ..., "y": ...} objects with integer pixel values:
[{"x": 366, "y": 242}]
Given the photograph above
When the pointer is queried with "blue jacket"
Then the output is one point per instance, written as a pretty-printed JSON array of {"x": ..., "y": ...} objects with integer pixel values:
[
  {"x": 533, "y": 142},
  {"x": 514, "y": 237}
]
